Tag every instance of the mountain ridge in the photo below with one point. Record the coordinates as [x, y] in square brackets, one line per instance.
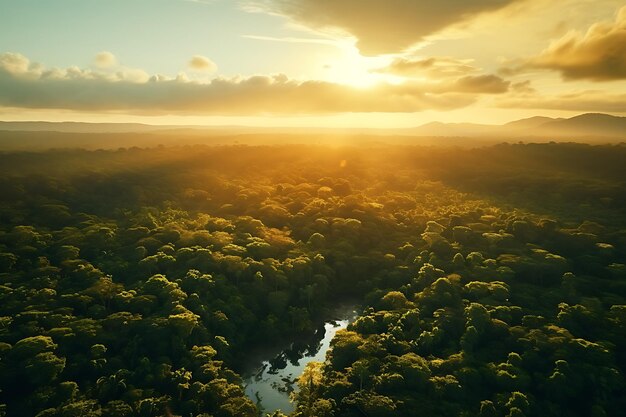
[586, 125]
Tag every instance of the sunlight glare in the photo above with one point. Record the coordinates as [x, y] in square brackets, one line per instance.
[356, 70]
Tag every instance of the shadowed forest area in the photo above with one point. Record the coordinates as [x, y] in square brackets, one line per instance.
[491, 281]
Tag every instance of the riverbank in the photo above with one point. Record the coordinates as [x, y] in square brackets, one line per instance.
[270, 381]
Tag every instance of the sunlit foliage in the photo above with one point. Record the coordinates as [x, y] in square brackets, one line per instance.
[492, 281]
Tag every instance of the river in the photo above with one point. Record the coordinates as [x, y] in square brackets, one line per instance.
[270, 383]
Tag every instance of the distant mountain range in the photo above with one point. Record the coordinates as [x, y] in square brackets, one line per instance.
[79, 127]
[590, 127]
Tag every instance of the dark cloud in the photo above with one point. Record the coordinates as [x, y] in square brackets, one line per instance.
[481, 84]
[598, 55]
[383, 26]
[523, 87]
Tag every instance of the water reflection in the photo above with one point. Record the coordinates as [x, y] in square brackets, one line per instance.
[271, 383]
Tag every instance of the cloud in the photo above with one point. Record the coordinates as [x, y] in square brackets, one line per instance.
[15, 63]
[19, 66]
[202, 64]
[381, 27]
[206, 2]
[432, 67]
[287, 39]
[30, 85]
[523, 87]
[582, 101]
[453, 74]
[105, 59]
[481, 84]
[598, 55]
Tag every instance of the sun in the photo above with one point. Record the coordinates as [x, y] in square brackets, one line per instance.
[351, 68]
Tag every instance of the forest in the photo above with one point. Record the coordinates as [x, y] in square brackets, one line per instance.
[489, 281]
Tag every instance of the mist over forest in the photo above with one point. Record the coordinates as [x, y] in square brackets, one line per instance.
[595, 128]
[488, 281]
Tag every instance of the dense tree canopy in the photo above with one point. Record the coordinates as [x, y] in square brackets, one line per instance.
[492, 281]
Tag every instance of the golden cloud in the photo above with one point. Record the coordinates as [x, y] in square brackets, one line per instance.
[481, 84]
[105, 59]
[202, 63]
[432, 67]
[598, 55]
[27, 85]
[452, 73]
[523, 87]
[382, 27]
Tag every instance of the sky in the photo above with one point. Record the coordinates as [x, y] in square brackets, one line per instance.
[334, 63]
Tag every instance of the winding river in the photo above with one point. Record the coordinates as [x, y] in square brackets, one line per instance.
[270, 383]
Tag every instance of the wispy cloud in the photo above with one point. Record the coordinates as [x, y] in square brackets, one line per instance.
[434, 67]
[207, 2]
[293, 40]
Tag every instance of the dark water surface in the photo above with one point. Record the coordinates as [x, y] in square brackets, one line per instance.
[270, 382]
